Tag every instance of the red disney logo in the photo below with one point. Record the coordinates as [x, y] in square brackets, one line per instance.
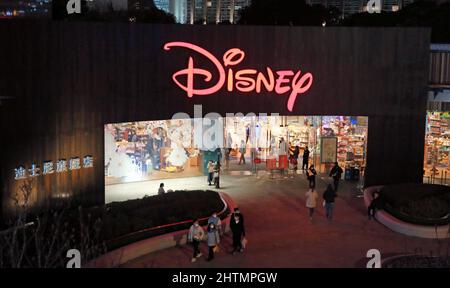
[244, 80]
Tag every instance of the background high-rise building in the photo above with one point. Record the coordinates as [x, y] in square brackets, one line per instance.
[136, 5]
[25, 8]
[105, 5]
[177, 8]
[162, 4]
[349, 7]
[214, 11]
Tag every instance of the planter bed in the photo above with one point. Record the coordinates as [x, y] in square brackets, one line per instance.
[96, 230]
[421, 204]
[416, 261]
[157, 215]
[401, 226]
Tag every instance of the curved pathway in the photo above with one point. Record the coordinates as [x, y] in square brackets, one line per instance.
[281, 235]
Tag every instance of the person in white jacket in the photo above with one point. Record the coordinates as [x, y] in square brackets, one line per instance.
[311, 201]
[196, 234]
[282, 150]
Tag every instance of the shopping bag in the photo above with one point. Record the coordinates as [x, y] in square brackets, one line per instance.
[216, 249]
[244, 242]
[323, 203]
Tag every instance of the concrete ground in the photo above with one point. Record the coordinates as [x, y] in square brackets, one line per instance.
[280, 234]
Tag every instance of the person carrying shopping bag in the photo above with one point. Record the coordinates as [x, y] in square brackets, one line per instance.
[213, 240]
[311, 201]
[195, 236]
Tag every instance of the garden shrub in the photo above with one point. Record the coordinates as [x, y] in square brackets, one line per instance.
[426, 204]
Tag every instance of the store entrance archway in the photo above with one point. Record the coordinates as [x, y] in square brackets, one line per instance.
[326, 139]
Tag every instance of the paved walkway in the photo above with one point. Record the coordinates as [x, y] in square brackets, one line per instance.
[280, 233]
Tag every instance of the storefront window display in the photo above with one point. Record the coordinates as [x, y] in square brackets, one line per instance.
[351, 133]
[437, 144]
[149, 150]
[265, 134]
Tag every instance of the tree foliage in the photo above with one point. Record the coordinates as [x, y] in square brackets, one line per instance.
[298, 13]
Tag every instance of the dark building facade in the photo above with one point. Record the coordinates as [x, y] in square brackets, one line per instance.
[68, 80]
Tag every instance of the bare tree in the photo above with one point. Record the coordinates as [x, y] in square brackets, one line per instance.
[41, 238]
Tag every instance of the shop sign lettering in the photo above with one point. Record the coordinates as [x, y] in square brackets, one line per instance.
[49, 167]
[246, 80]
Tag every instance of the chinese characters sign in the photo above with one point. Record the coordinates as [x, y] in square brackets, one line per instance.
[49, 167]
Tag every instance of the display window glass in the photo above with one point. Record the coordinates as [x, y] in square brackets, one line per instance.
[150, 150]
[351, 133]
[437, 145]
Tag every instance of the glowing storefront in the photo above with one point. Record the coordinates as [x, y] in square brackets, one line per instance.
[73, 79]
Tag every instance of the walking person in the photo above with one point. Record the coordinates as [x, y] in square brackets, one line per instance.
[305, 159]
[282, 147]
[213, 240]
[291, 151]
[216, 221]
[311, 201]
[242, 151]
[227, 158]
[375, 205]
[238, 230]
[328, 196]
[311, 175]
[296, 152]
[210, 168]
[217, 175]
[282, 154]
[294, 159]
[195, 236]
[247, 133]
[336, 173]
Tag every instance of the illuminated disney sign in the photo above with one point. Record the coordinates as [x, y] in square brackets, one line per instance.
[243, 80]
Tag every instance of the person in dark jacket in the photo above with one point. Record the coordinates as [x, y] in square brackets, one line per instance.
[375, 205]
[336, 173]
[311, 174]
[296, 152]
[305, 159]
[216, 175]
[238, 230]
[210, 168]
[328, 196]
[294, 158]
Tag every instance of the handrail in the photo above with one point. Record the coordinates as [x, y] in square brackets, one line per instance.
[6, 231]
[168, 225]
